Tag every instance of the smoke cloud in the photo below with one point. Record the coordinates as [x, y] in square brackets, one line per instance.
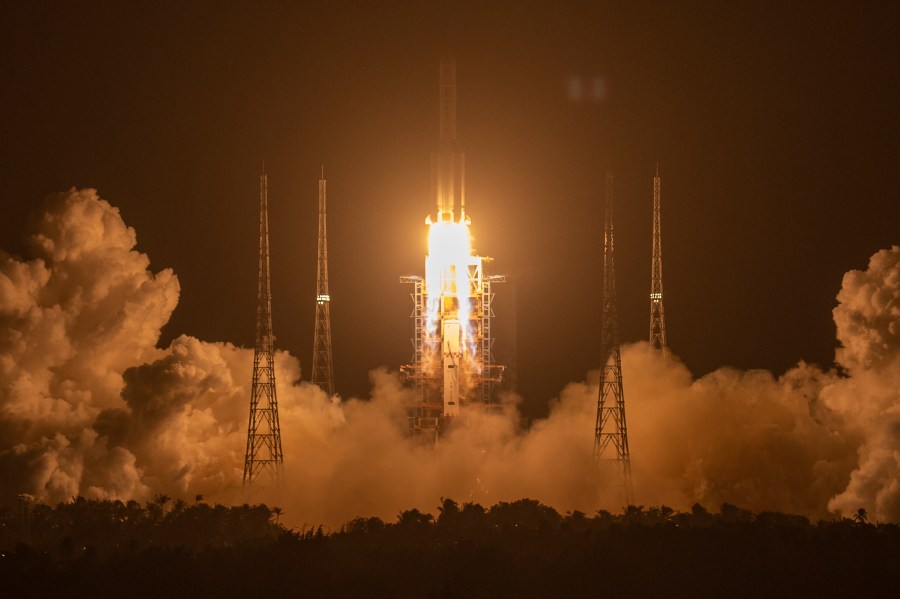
[73, 319]
[868, 327]
[89, 405]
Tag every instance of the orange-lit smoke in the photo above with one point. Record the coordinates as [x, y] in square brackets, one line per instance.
[90, 406]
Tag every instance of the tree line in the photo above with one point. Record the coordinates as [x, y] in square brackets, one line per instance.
[512, 549]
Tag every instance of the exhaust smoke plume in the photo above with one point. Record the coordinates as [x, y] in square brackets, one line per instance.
[90, 406]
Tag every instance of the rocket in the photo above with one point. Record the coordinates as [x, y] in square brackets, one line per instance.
[452, 366]
[448, 168]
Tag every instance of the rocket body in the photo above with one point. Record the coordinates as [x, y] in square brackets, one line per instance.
[452, 361]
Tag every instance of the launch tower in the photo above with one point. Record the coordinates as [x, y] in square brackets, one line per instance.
[452, 367]
[657, 314]
[610, 431]
[322, 366]
[263, 432]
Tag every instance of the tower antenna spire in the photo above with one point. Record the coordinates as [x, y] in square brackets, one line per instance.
[610, 431]
[322, 364]
[263, 431]
[657, 313]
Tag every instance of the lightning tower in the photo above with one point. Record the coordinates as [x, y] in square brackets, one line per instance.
[322, 365]
[657, 314]
[264, 453]
[452, 365]
[610, 431]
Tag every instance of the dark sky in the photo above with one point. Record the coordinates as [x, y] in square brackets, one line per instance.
[775, 125]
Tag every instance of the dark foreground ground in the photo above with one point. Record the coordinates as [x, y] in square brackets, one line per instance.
[520, 549]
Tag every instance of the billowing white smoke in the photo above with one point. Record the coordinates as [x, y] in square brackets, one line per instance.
[868, 327]
[90, 406]
[745, 438]
[810, 442]
[72, 320]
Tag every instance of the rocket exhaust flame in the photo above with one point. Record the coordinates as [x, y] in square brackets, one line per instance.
[447, 271]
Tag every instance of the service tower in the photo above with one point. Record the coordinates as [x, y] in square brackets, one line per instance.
[610, 431]
[657, 313]
[264, 454]
[452, 369]
[322, 363]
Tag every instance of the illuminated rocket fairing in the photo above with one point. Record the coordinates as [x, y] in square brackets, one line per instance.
[452, 364]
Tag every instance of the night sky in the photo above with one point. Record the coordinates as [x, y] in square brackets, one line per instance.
[776, 129]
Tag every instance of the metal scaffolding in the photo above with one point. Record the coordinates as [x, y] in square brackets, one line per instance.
[264, 452]
[322, 365]
[610, 430]
[491, 373]
[657, 313]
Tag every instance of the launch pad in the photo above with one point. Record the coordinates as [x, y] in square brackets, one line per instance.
[453, 372]
[452, 368]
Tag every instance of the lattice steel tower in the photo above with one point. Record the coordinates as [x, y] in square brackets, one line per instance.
[657, 313]
[322, 366]
[611, 432]
[263, 431]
